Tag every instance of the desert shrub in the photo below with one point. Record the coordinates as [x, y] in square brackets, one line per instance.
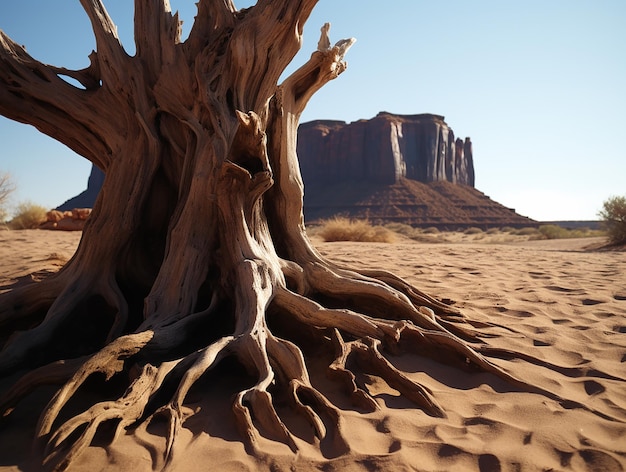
[7, 187]
[344, 229]
[430, 238]
[526, 232]
[508, 229]
[401, 228]
[554, 232]
[493, 231]
[28, 216]
[613, 216]
[473, 230]
[431, 230]
[558, 232]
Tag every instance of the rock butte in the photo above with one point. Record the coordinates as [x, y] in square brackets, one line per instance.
[384, 150]
[395, 168]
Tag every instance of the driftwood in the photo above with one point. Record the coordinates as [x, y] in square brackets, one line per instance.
[196, 248]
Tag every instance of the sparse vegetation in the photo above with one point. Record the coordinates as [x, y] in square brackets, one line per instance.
[403, 229]
[28, 215]
[525, 232]
[344, 229]
[558, 232]
[493, 235]
[7, 187]
[613, 216]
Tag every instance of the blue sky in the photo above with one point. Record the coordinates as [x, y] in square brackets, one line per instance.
[539, 86]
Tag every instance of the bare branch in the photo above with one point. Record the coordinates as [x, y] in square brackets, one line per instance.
[325, 65]
[214, 17]
[7, 187]
[107, 41]
[255, 71]
[33, 93]
[287, 105]
[157, 32]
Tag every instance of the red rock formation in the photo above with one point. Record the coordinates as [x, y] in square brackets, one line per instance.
[384, 150]
[441, 204]
[73, 220]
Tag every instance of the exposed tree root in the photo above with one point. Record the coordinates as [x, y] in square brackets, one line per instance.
[76, 289]
[58, 372]
[29, 304]
[278, 365]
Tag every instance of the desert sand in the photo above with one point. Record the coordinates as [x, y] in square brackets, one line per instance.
[553, 300]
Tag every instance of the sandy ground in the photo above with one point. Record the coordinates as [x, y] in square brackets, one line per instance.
[552, 299]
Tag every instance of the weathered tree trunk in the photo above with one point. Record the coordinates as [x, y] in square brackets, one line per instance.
[197, 237]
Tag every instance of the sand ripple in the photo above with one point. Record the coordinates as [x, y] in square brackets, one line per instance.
[561, 305]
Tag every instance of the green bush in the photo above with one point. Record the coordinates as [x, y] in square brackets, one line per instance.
[28, 216]
[613, 216]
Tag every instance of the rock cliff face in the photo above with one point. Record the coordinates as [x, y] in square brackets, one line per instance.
[384, 150]
[87, 198]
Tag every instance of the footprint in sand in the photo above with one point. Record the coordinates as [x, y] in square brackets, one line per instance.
[561, 321]
[489, 463]
[565, 457]
[557, 288]
[595, 460]
[593, 388]
[478, 420]
[591, 301]
[448, 450]
[603, 315]
[619, 297]
[520, 313]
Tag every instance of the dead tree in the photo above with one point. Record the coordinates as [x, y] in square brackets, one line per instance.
[196, 248]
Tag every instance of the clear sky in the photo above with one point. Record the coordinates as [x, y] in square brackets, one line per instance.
[539, 86]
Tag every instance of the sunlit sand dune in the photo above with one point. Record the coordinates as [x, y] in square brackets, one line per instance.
[552, 300]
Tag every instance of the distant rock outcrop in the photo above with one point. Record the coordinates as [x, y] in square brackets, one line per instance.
[66, 220]
[384, 150]
[395, 168]
[87, 198]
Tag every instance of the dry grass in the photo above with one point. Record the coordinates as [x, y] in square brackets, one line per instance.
[344, 229]
[28, 216]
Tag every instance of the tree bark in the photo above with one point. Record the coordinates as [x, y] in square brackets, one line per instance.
[197, 237]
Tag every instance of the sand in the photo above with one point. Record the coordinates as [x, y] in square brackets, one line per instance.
[555, 301]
